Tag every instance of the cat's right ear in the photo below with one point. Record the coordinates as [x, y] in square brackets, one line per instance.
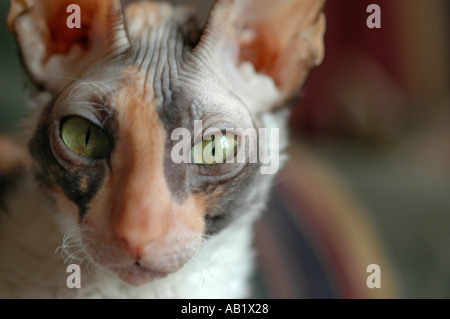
[281, 39]
[58, 39]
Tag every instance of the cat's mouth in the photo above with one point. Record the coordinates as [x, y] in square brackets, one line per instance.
[137, 274]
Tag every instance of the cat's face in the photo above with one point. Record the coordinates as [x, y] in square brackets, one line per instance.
[135, 205]
[104, 146]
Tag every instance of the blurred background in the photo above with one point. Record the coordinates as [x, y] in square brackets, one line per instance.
[368, 180]
[12, 79]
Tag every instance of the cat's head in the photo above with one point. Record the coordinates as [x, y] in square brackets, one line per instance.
[129, 86]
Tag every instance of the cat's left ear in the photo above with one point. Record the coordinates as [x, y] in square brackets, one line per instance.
[58, 39]
[283, 39]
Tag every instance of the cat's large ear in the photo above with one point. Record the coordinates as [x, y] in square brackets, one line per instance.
[282, 39]
[59, 38]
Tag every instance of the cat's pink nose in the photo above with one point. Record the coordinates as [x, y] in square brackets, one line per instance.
[161, 249]
[157, 237]
[141, 229]
[147, 213]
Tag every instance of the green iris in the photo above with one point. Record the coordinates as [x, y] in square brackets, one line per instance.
[215, 150]
[84, 138]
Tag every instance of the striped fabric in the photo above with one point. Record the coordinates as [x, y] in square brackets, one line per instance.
[316, 240]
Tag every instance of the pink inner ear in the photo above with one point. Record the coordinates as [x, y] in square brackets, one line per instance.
[283, 39]
[60, 37]
[262, 51]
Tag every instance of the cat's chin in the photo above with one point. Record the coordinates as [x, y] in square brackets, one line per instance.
[137, 275]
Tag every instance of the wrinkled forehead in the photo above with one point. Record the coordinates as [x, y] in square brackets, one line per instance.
[180, 88]
[159, 70]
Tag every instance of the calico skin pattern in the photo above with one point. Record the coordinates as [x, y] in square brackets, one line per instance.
[138, 224]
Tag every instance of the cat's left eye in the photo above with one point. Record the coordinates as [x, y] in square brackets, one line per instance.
[85, 138]
[215, 150]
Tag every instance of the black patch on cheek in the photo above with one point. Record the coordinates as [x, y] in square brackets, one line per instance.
[215, 224]
[227, 206]
[80, 184]
[223, 213]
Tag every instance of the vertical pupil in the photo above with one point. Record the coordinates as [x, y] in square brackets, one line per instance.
[213, 145]
[88, 136]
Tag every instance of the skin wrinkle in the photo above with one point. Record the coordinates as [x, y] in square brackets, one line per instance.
[144, 58]
[158, 59]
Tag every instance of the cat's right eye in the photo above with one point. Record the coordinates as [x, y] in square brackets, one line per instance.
[85, 138]
[214, 150]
